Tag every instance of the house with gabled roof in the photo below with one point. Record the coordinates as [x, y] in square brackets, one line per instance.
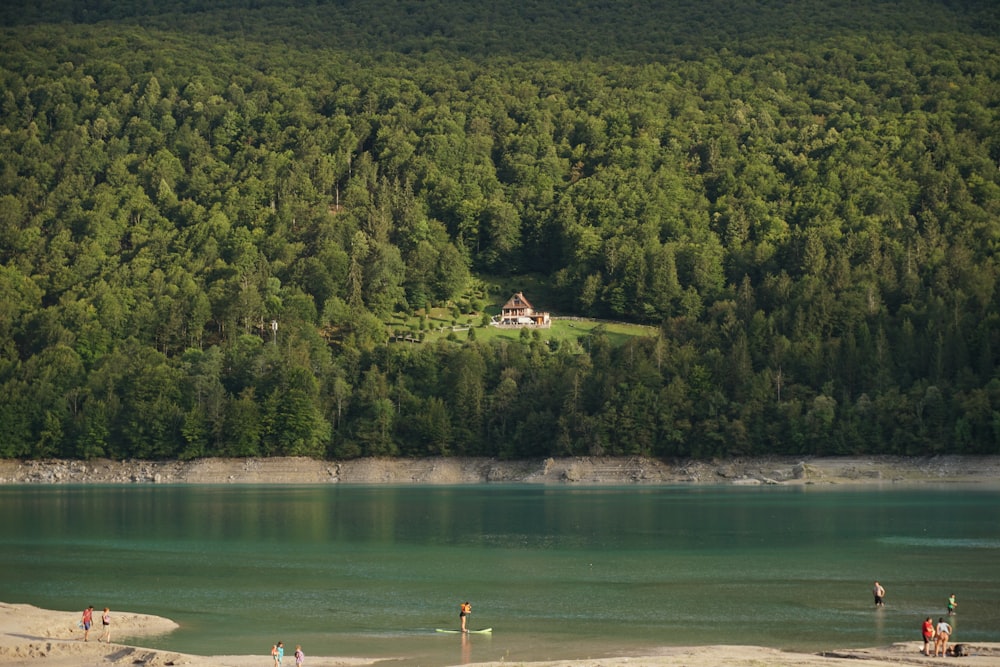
[518, 312]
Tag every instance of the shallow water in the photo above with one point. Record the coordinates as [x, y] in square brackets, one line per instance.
[557, 572]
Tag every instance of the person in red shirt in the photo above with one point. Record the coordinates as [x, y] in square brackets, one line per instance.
[928, 632]
[87, 621]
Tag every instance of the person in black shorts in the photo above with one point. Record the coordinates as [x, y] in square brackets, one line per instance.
[106, 623]
[464, 610]
[879, 593]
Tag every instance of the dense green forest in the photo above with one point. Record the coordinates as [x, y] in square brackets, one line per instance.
[802, 199]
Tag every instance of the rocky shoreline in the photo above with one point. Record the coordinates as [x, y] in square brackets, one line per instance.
[563, 471]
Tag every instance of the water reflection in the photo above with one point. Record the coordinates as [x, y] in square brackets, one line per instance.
[880, 638]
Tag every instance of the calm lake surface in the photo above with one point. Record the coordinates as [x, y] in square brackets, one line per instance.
[371, 571]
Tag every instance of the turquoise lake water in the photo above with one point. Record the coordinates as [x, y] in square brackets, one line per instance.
[557, 572]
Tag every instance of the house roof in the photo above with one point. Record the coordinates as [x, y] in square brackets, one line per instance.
[517, 301]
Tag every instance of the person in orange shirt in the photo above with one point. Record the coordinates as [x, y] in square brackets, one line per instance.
[464, 610]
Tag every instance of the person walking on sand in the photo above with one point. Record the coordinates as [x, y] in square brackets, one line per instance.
[274, 654]
[280, 655]
[106, 624]
[879, 592]
[464, 610]
[87, 621]
[928, 632]
[952, 603]
[941, 637]
[299, 656]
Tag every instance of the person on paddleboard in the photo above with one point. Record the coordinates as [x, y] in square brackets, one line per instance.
[464, 610]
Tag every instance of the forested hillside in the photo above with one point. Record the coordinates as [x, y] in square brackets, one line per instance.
[802, 197]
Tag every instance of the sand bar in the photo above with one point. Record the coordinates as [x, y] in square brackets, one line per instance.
[46, 638]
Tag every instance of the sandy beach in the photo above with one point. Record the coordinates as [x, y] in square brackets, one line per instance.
[33, 637]
[48, 638]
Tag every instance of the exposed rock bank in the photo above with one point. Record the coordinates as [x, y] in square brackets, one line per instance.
[578, 471]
